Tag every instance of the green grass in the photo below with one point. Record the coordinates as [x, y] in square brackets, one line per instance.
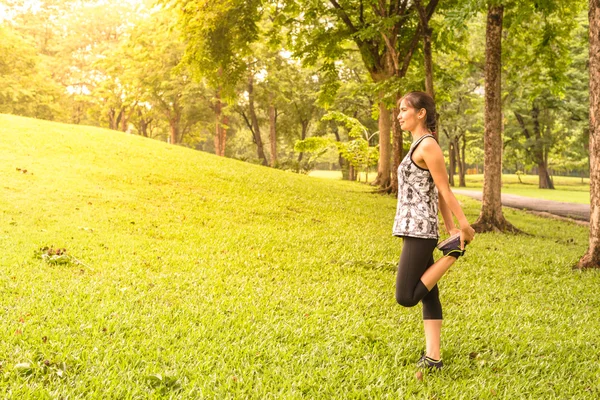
[206, 277]
[567, 189]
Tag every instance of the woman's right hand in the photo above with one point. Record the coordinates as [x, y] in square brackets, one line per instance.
[467, 233]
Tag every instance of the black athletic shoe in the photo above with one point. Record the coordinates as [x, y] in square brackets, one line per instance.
[429, 363]
[451, 246]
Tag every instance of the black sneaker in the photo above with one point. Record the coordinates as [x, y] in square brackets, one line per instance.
[429, 363]
[451, 246]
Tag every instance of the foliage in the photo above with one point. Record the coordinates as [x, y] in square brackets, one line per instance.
[356, 151]
[160, 70]
[541, 63]
[218, 37]
[25, 84]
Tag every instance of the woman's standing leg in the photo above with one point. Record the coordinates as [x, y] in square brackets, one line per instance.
[415, 261]
[432, 320]
[433, 335]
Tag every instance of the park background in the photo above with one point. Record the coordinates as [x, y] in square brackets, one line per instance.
[139, 268]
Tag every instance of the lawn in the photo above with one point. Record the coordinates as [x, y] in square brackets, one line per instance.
[567, 189]
[193, 276]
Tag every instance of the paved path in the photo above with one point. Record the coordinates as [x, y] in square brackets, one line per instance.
[569, 210]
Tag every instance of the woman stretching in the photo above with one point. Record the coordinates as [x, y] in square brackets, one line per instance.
[422, 178]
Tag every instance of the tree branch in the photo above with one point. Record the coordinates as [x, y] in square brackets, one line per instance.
[431, 8]
[409, 53]
[248, 124]
[522, 124]
[382, 8]
[344, 16]
[415, 40]
[361, 12]
[392, 52]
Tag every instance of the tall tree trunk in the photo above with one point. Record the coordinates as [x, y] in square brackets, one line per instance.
[174, 130]
[383, 169]
[491, 217]
[544, 181]
[273, 133]
[397, 145]
[456, 146]
[124, 122]
[591, 259]
[461, 163]
[118, 120]
[303, 134]
[452, 156]
[218, 114]
[144, 123]
[351, 173]
[111, 118]
[426, 32]
[223, 134]
[538, 148]
[544, 177]
[341, 160]
[257, 138]
[143, 128]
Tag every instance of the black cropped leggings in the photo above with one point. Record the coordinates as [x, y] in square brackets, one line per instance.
[416, 257]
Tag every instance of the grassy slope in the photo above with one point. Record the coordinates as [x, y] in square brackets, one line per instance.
[567, 189]
[236, 281]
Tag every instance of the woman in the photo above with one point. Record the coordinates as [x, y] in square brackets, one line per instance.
[422, 187]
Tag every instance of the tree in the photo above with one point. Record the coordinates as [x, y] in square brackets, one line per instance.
[357, 151]
[218, 37]
[355, 97]
[252, 120]
[386, 34]
[153, 57]
[537, 66]
[26, 86]
[491, 217]
[591, 259]
[460, 77]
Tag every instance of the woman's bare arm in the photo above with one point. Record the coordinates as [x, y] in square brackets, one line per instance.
[446, 214]
[432, 155]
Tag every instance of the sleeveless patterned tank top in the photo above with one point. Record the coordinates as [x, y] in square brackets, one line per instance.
[417, 211]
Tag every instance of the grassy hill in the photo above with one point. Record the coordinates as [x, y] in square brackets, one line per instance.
[193, 276]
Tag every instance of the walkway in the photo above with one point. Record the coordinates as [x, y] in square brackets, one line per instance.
[576, 211]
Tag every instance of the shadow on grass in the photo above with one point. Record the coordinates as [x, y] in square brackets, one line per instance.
[370, 265]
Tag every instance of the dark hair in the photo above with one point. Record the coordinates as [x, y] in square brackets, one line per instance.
[419, 100]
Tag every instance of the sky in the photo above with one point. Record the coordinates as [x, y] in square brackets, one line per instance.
[7, 11]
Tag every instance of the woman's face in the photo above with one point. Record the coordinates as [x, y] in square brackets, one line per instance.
[409, 118]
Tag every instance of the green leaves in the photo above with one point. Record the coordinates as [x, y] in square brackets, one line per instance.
[357, 150]
[26, 86]
[218, 37]
[353, 125]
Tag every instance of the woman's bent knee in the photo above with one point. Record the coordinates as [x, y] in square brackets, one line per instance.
[406, 301]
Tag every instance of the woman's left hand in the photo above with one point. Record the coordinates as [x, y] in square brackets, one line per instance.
[467, 233]
[453, 231]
